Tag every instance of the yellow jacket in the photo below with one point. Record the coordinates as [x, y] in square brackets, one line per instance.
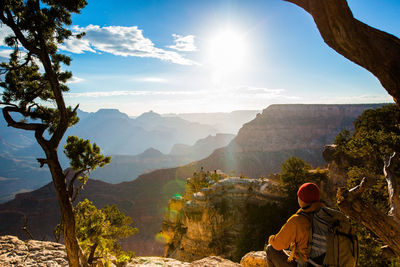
[295, 232]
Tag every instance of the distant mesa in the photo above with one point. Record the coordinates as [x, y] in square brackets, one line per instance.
[149, 115]
[104, 112]
[109, 111]
[151, 153]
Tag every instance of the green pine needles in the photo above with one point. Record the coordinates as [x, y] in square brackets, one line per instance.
[99, 230]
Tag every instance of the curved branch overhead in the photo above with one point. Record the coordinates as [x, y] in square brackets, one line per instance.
[372, 49]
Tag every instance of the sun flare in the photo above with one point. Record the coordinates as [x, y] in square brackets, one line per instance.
[226, 51]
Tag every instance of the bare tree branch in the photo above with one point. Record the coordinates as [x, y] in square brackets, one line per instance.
[372, 49]
[301, 3]
[38, 128]
[75, 195]
[42, 161]
[76, 108]
[71, 183]
[393, 185]
[384, 226]
[25, 228]
[21, 125]
[8, 104]
[72, 191]
[366, 182]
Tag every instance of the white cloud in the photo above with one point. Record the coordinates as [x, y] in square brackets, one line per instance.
[242, 92]
[77, 46]
[75, 79]
[183, 43]
[5, 54]
[120, 41]
[213, 99]
[259, 91]
[262, 93]
[151, 80]
[359, 99]
[128, 93]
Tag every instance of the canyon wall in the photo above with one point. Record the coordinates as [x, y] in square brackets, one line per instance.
[230, 218]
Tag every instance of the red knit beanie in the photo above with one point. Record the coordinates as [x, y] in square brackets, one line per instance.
[309, 193]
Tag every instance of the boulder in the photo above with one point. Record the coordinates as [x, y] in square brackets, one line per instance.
[254, 259]
[214, 261]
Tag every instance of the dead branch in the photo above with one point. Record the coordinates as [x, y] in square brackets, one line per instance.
[393, 185]
[72, 176]
[77, 106]
[75, 195]
[25, 228]
[42, 161]
[385, 227]
[21, 125]
[39, 128]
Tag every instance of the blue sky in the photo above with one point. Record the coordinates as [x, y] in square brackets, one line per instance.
[180, 56]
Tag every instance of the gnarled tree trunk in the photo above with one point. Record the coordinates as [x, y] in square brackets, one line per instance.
[60, 184]
[385, 226]
[68, 217]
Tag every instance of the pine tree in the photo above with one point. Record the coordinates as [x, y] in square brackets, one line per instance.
[34, 83]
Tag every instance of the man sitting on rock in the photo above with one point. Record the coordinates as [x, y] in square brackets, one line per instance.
[295, 233]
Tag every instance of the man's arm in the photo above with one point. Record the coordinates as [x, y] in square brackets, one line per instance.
[285, 237]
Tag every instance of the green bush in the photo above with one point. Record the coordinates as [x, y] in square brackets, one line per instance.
[99, 230]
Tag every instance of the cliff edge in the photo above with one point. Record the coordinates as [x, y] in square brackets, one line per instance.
[229, 218]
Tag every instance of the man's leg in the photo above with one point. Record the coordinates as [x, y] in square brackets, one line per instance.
[278, 258]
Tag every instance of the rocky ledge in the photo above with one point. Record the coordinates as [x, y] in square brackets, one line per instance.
[229, 218]
[17, 253]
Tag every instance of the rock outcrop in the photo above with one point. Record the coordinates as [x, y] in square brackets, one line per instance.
[229, 218]
[282, 131]
[14, 252]
[17, 253]
[212, 261]
[254, 259]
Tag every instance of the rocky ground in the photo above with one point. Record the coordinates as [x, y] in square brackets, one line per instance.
[17, 253]
[14, 252]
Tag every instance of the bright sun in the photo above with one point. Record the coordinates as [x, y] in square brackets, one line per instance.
[226, 51]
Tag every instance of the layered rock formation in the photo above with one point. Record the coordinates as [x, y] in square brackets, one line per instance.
[281, 131]
[229, 218]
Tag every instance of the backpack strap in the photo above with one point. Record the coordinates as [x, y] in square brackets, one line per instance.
[309, 217]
